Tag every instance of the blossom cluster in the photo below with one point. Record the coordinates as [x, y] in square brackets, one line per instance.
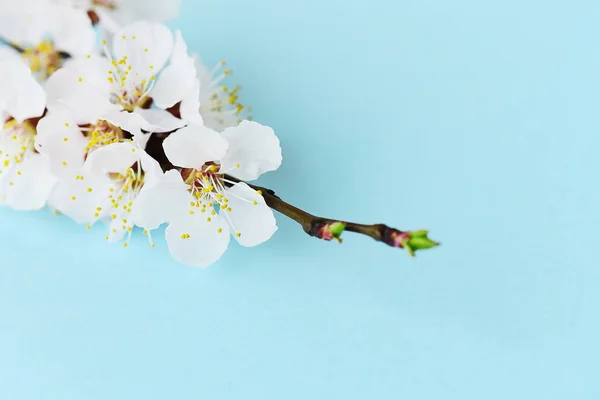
[88, 86]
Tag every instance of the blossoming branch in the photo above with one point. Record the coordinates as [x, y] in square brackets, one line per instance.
[132, 129]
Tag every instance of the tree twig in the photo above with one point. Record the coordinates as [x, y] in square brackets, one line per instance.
[329, 229]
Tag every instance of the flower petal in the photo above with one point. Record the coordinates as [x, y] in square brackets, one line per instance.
[60, 139]
[173, 84]
[132, 123]
[108, 24]
[23, 21]
[159, 202]
[153, 172]
[147, 47]
[196, 242]
[74, 198]
[190, 105]
[193, 146]
[119, 226]
[180, 51]
[21, 96]
[253, 150]
[71, 30]
[80, 91]
[115, 157]
[92, 69]
[176, 80]
[8, 53]
[162, 120]
[250, 215]
[28, 185]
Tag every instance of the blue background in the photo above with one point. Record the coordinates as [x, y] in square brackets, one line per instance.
[475, 119]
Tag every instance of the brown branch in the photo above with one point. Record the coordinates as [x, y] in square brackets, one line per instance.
[328, 229]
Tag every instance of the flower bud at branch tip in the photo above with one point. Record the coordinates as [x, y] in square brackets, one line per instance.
[410, 241]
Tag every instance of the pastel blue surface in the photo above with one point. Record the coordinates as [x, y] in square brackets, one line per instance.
[477, 120]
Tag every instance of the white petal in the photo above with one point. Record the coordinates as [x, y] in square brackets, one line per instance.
[190, 105]
[132, 42]
[193, 146]
[60, 139]
[253, 150]
[108, 24]
[205, 244]
[21, 95]
[162, 120]
[176, 80]
[132, 123]
[93, 68]
[218, 120]
[80, 91]
[73, 198]
[28, 185]
[119, 226]
[153, 173]
[115, 157]
[254, 221]
[180, 50]
[23, 22]
[71, 30]
[8, 53]
[160, 202]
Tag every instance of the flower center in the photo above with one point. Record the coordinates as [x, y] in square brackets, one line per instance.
[207, 188]
[43, 59]
[129, 184]
[128, 90]
[125, 189]
[223, 101]
[102, 134]
[15, 141]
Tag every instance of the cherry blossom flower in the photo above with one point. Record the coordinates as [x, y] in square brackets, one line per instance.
[203, 206]
[69, 147]
[67, 142]
[25, 180]
[111, 180]
[219, 104]
[128, 81]
[43, 31]
[182, 67]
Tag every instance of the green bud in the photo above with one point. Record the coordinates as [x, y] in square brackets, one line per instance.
[336, 229]
[418, 240]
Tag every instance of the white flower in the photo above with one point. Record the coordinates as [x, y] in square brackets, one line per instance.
[67, 141]
[44, 30]
[25, 180]
[69, 148]
[200, 204]
[141, 51]
[219, 105]
[111, 180]
[177, 84]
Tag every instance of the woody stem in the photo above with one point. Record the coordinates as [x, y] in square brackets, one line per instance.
[312, 224]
